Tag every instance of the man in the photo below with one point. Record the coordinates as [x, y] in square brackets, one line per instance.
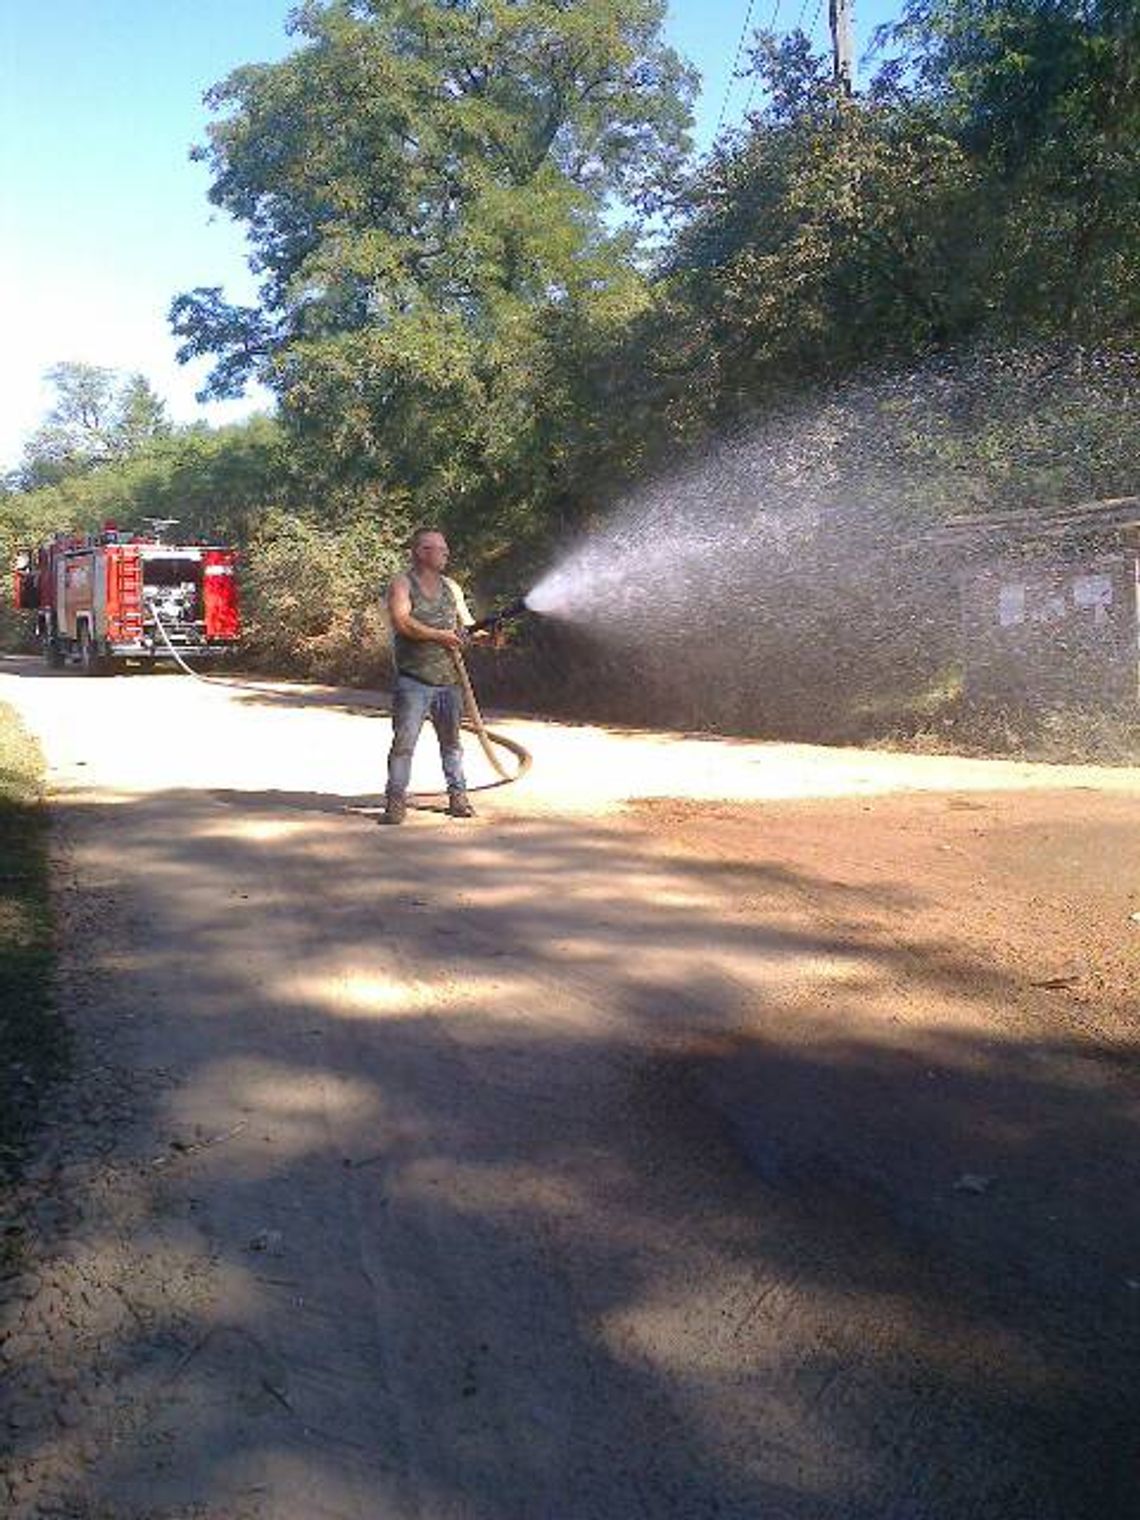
[427, 612]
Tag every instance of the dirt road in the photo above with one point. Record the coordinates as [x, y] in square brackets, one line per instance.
[706, 1129]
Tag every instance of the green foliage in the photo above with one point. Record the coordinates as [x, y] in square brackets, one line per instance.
[25, 520]
[831, 232]
[1014, 429]
[445, 306]
[31, 1037]
[1045, 97]
[984, 187]
[314, 592]
[97, 418]
[212, 482]
[425, 187]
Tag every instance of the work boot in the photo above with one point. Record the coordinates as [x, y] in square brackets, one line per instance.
[395, 810]
[459, 805]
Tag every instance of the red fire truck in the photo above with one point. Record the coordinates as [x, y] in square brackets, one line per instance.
[107, 598]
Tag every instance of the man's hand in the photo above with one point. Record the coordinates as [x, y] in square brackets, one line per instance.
[448, 638]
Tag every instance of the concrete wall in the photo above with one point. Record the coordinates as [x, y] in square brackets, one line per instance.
[1053, 625]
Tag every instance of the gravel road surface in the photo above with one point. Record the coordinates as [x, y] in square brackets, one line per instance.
[708, 1128]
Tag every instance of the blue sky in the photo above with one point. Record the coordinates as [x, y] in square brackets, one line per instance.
[103, 218]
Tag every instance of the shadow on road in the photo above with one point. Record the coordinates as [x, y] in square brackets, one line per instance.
[537, 1170]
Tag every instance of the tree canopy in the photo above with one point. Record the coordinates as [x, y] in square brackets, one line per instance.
[1044, 95]
[97, 417]
[427, 190]
[449, 299]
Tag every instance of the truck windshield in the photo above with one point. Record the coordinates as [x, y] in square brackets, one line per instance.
[171, 572]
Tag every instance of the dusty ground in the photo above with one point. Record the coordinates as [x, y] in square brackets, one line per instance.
[707, 1129]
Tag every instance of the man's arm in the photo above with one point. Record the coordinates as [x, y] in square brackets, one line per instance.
[400, 612]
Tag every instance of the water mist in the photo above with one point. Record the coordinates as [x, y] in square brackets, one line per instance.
[790, 580]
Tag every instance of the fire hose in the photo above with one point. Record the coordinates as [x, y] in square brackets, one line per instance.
[489, 739]
[178, 660]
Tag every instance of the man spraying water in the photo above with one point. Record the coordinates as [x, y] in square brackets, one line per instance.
[430, 621]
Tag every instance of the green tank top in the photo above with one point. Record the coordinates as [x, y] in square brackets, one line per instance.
[430, 663]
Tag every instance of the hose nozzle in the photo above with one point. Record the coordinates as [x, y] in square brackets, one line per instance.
[494, 621]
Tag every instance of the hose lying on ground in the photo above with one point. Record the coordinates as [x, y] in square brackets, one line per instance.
[160, 625]
[489, 739]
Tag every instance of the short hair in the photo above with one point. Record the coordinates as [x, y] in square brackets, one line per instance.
[420, 534]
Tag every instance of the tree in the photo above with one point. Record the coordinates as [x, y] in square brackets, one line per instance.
[97, 418]
[827, 232]
[1045, 95]
[140, 417]
[426, 185]
[983, 187]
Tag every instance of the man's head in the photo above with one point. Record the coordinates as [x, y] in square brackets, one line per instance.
[429, 549]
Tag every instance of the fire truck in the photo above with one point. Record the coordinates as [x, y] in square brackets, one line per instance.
[104, 599]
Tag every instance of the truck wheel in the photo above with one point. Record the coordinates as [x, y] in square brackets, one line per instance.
[52, 653]
[90, 660]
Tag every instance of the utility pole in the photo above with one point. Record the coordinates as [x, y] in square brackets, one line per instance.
[841, 15]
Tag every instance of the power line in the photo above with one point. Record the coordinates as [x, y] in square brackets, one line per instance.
[732, 70]
[810, 34]
[756, 76]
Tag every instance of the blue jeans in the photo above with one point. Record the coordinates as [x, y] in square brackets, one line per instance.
[412, 702]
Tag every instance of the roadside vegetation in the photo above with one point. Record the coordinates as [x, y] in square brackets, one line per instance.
[500, 293]
[32, 1041]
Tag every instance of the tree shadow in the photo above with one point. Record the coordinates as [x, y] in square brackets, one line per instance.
[515, 1171]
